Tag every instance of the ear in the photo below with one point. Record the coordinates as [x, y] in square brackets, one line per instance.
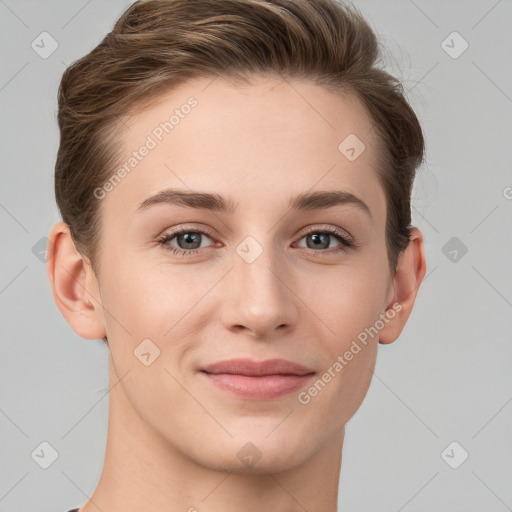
[74, 285]
[410, 271]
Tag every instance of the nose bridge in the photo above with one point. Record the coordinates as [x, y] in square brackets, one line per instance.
[261, 301]
[256, 268]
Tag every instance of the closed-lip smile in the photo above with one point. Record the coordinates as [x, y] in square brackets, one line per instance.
[258, 380]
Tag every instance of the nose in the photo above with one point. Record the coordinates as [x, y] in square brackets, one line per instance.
[261, 297]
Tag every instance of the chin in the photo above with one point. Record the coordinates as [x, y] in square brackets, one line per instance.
[257, 451]
[270, 462]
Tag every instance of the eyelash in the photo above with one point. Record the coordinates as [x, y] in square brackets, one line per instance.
[346, 242]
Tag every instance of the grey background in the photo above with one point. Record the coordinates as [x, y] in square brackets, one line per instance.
[448, 378]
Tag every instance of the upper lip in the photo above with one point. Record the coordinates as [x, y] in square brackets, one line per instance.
[251, 368]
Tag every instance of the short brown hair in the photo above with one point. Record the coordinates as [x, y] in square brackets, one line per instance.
[157, 44]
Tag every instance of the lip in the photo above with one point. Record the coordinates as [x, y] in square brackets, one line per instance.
[258, 380]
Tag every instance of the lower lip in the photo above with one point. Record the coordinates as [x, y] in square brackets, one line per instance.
[265, 387]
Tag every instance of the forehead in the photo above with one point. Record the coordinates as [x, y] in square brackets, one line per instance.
[270, 140]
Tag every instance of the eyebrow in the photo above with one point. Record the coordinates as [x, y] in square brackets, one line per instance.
[202, 200]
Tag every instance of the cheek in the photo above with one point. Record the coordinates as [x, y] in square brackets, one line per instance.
[349, 312]
[153, 313]
[347, 302]
[146, 338]
[145, 299]
[344, 381]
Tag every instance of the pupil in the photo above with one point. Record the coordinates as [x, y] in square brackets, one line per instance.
[190, 238]
[317, 240]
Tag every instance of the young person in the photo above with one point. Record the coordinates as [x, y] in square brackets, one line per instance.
[234, 179]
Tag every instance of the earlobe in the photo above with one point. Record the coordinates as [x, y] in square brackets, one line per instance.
[74, 285]
[409, 274]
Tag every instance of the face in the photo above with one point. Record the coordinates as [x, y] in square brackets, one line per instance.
[253, 269]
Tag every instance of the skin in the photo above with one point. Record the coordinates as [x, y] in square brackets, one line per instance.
[173, 438]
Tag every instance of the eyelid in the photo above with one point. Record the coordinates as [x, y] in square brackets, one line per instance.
[185, 228]
[330, 229]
